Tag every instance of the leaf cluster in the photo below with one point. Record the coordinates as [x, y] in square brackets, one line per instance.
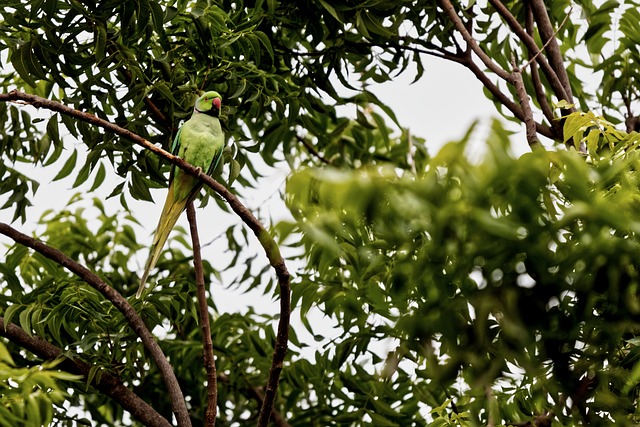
[511, 275]
[31, 395]
[46, 301]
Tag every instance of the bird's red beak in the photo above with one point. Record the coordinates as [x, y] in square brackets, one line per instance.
[217, 103]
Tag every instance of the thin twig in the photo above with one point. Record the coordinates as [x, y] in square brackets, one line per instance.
[457, 22]
[547, 32]
[551, 39]
[312, 150]
[108, 384]
[178, 404]
[266, 240]
[532, 47]
[436, 52]
[205, 326]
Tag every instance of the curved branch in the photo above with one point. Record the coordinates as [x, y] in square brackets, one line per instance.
[436, 52]
[268, 243]
[178, 404]
[205, 325]
[108, 384]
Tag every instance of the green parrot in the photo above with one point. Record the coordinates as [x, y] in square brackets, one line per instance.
[199, 141]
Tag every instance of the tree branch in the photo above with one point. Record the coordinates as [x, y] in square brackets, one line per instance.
[205, 326]
[529, 122]
[504, 100]
[178, 404]
[541, 94]
[268, 243]
[457, 22]
[549, 37]
[530, 44]
[257, 394]
[108, 384]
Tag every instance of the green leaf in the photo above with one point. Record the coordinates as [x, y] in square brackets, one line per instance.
[266, 43]
[166, 92]
[139, 187]
[25, 320]
[100, 176]
[361, 26]
[92, 374]
[330, 9]
[5, 356]
[380, 420]
[242, 87]
[236, 168]
[116, 190]
[373, 24]
[68, 167]
[157, 16]
[32, 414]
[592, 141]
[26, 64]
[100, 37]
[82, 175]
[575, 125]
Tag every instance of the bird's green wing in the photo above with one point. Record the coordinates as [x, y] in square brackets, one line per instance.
[175, 149]
[214, 162]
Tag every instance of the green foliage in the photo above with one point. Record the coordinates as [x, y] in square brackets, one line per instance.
[68, 313]
[162, 55]
[30, 396]
[439, 290]
[516, 277]
[598, 135]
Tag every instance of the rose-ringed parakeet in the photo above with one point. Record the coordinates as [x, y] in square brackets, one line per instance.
[199, 141]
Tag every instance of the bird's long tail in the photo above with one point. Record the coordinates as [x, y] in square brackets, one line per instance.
[170, 214]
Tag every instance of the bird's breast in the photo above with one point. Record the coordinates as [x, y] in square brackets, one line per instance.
[200, 141]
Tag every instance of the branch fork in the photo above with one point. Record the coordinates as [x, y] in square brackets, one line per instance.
[265, 239]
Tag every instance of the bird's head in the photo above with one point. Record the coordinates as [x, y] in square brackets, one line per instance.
[209, 103]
